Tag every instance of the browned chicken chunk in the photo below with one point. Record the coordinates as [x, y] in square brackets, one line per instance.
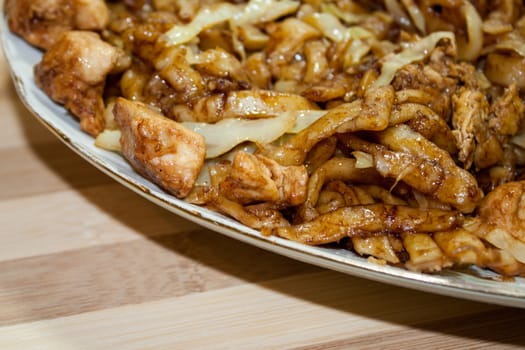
[255, 178]
[73, 72]
[502, 213]
[159, 148]
[41, 22]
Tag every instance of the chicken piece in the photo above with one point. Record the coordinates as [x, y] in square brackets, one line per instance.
[73, 72]
[255, 178]
[477, 144]
[159, 148]
[41, 22]
[439, 78]
[91, 14]
[260, 216]
[507, 113]
[412, 77]
[368, 220]
[503, 216]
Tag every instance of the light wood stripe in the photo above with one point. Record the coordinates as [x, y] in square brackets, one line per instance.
[47, 167]
[284, 313]
[19, 127]
[495, 329]
[69, 220]
[131, 272]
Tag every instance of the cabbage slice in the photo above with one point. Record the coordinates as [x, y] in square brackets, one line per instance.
[256, 11]
[416, 52]
[228, 133]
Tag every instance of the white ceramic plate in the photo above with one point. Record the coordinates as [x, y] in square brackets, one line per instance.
[473, 284]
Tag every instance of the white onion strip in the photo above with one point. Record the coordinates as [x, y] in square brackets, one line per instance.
[228, 133]
[416, 52]
[471, 49]
[256, 11]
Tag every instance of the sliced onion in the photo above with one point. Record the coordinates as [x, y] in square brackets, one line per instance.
[256, 11]
[363, 160]
[109, 140]
[304, 119]
[207, 17]
[507, 242]
[393, 7]
[519, 139]
[415, 14]
[228, 133]
[262, 11]
[333, 29]
[508, 44]
[345, 16]
[416, 52]
[471, 49]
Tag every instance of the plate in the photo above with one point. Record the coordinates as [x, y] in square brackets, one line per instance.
[473, 284]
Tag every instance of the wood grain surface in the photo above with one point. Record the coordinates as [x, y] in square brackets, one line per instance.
[87, 264]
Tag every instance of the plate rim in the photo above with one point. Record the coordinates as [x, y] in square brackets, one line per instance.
[322, 257]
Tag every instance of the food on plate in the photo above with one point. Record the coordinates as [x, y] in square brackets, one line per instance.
[394, 129]
[73, 72]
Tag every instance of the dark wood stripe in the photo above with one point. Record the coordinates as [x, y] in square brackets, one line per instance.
[501, 328]
[102, 277]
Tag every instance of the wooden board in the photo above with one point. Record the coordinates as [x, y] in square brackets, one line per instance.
[87, 264]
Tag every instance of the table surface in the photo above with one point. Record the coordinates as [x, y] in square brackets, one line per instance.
[87, 264]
